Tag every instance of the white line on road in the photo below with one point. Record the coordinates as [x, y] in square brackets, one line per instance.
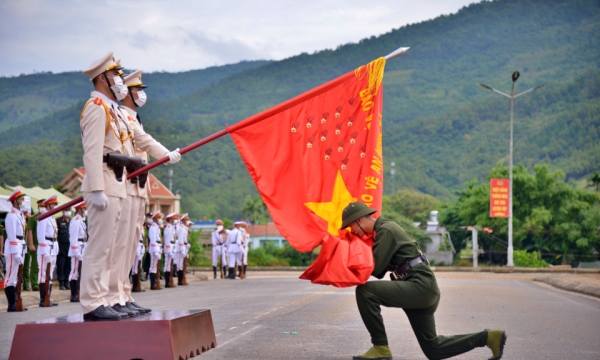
[235, 327]
[236, 337]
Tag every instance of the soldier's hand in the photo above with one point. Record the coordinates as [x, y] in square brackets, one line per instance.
[174, 156]
[31, 248]
[99, 200]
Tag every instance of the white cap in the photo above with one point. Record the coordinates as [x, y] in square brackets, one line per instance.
[103, 64]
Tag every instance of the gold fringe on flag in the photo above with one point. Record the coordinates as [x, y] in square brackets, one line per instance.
[374, 70]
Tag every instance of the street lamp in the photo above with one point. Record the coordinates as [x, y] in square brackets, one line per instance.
[393, 173]
[512, 97]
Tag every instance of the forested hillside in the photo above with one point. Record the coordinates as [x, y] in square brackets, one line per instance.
[440, 127]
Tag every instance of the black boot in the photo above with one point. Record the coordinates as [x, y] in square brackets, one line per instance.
[67, 286]
[152, 281]
[232, 273]
[73, 288]
[11, 297]
[42, 294]
[179, 277]
[145, 278]
[134, 282]
[167, 279]
[61, 285]
[225, 271]
[52, 303]
[215, 272]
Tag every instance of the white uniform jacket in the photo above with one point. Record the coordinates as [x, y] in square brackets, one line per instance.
[47, 232]
[77, 236]
[234, 241]
[15, 225]
[155, 244]
[169, 237]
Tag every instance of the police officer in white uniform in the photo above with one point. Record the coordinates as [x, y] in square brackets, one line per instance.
[181, 246]
[47, 232]
[170, 238]
[77, 240]
[219, 237]
[155, 250]
[139, 255]
[234, 250]
[14, 247]
[245, 248]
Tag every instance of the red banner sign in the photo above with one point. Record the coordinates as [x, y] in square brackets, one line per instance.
[499, 201]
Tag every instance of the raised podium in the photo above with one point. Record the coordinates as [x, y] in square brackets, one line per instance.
[179, 334]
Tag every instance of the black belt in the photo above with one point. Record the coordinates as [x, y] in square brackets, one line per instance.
[399, 272]
[50, 239]
[19, 237]
[158, 242]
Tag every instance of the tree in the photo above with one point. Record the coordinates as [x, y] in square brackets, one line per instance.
[594, 181]
[252, 208]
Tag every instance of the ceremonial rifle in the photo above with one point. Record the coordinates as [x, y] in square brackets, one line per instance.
[47, 286]
[79, 280]
[171, 284]
[138, 283]
[242, 272]
[158, 274]
[246, 122]
[184, 270]
[18, 288]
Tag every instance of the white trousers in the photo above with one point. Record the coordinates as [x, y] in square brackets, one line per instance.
[154, 257]
[103, 226]
[169, 257]
[74, 274]
[216, 252]
[235, 258]
[179, 259]
[43, 263]
[12, 269]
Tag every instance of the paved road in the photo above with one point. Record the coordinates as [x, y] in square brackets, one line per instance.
[251, 316]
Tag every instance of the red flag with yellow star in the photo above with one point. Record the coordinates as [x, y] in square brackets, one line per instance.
[312, 155]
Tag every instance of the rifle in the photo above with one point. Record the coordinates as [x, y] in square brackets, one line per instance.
[18, 288]
[171, 284]
[158, 274]
[184, 281]
[242, 273]
[221, 263]
[138, 283]
[79, 280]
[47, 286]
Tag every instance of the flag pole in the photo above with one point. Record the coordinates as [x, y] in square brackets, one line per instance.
[241, 124]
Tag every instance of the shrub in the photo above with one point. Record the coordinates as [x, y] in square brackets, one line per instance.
[522, 258]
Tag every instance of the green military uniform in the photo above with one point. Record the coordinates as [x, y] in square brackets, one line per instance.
[417, 294]
[30, 266]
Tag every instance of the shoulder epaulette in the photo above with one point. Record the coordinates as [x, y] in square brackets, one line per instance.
[98, 101]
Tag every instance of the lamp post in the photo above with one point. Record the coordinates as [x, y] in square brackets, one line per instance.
[512, 97]
[393, 174]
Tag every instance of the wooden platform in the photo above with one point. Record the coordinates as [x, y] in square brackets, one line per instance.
[159, 335]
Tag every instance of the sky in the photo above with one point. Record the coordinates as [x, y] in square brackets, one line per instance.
[179, 35]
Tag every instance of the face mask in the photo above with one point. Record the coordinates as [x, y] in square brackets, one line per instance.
[160, 222]
[67, 213]
[141, 100]
[23, 207]
[149, 221]
[175, 222]
[42, 209]
[85, 213]
[119, 88]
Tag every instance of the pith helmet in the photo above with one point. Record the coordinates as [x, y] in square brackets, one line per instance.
[355, 211]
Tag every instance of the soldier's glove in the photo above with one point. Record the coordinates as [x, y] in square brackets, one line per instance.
[99, 200]
[174, 156]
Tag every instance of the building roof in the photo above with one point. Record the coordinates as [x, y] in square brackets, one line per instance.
[263, 230]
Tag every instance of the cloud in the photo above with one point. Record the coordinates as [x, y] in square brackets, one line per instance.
[225, 50]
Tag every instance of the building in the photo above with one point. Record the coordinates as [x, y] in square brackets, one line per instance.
[263, 234]
[161, 198]
[440, 250]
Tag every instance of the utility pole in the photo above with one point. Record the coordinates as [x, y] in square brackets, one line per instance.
[475, 246]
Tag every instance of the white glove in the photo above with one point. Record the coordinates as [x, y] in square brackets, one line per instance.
[19, 259]
[174, 156]
[99, 200]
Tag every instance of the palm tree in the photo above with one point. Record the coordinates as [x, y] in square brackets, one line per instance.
[594, 181]
[252, 209]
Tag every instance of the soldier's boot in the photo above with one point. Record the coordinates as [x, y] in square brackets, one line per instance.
[42, 294]
[215, 272]
[167, 279]
[50, 292]
[152, 281]
[60, 285]
[134, 282]
[73, 288]
[496, 339]
[225, 271]
[232, 273]
[179, 277]
[67, 286]
[379, 352]
[11, 297]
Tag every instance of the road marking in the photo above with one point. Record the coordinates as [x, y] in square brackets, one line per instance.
[245, 322]
[235, 327]
[218, 334]
[235, 338]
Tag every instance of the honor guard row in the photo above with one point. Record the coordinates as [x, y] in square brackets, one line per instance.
[114, 144]
[231, 248]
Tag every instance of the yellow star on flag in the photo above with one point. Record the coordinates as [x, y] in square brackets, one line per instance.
[332, 211]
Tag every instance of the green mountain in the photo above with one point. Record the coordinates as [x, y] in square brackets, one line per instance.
[440, 128]
[27, 98]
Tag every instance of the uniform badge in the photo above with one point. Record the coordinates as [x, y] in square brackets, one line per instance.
[98, 101]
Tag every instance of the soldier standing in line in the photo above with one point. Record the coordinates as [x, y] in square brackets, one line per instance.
[146, 263]
[181, 246]
[155, 246]
[169, 238]
[47, 231]
[137, 191]
[63, 261]
[413, 288]
[217, 246]
[77, 239]
[139, 255]
[245, 247]
[30, 267]
[234, 241]
[14, 247]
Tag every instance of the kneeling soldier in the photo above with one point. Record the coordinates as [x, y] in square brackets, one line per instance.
[414, 289]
